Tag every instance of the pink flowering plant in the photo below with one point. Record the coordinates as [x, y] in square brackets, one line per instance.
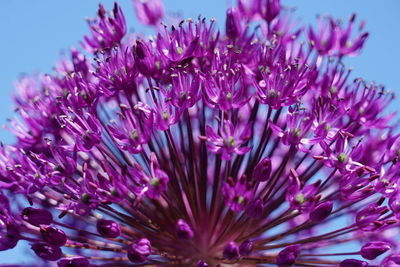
[243, 146]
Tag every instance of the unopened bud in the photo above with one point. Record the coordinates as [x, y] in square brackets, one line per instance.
[139, 251]
[353, 263]
[53, 236]
[233, 27]
[108, 228]
[321, 212]
[372, 250]
[262, 170]
[37, 216]
[231, 251]
[144, 58]
[47, 252]
[270, 9]
[183, 230]
[246, 247]
[288, 255]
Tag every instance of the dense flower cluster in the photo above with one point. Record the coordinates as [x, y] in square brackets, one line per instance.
[248, 146]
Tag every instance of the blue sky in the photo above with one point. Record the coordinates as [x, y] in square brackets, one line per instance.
[35, 33]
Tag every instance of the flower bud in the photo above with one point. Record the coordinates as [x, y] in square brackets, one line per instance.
[353, 263]
[231, 251]
[144, 58]
[201, 263]
[183, 230]
[320, 212]
[262, 171]
[108, 228]
[6, 242]
[288, 255]
[372, 250]
[149, 12]
[233, 28]
[47, 252]
[37, 216]
[139, 250]
[9, 236]
[53, 236]
[77, 261]
[255, 209]
[391, 260]
[246, 247]
[270, 9]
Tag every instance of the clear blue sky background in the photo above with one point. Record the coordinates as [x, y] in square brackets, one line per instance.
[34, 34]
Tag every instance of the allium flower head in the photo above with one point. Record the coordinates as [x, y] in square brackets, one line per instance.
[244, 146]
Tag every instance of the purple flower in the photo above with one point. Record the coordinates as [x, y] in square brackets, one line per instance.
[179, 46]
[325, 39]
[298, 126]
[347, 47]
[86, 129]
[237, 193]
[282, 80]
[149, 12]
[158, 181]
[269, 9]
[9, 236]
[116, 71]
[106, 31]
[134, 128]
[233, 27]
[223, 92]
[262, 170]
[185, 91]
[229, 141]
[299, 197]
[334, 40]
[80, 62]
